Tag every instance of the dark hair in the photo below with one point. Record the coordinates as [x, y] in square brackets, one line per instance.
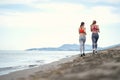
[94, 22]
[82, 23]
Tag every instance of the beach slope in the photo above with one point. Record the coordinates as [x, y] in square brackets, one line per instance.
[105, 65]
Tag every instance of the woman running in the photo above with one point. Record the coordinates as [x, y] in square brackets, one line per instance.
[82, 38]
[95, 36]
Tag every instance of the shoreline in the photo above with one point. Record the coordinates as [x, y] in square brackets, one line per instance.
[103, 65]
[20, 64]
[30, 71]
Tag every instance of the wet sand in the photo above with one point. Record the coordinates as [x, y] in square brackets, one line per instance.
[105, 65]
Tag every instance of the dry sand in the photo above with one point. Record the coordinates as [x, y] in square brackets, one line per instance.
[105, 65]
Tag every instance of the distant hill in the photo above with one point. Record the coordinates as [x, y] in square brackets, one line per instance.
[64, 47]
[71, 47]
[112, 46]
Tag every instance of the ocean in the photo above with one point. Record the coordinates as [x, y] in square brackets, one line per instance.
[13, 60]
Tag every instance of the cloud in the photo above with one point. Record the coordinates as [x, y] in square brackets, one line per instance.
[56, 24]
[85, 2]
[62, 14]
[104, 1]
[21, 1]
[105, 14]
[61, 7]
[53, 14]
[94, 1]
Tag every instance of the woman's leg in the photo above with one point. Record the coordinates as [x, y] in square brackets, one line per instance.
[84, 40]
[93, 41]
[96, 40]
[81, 46]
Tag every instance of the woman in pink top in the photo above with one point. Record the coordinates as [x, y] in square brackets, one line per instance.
[95, 36]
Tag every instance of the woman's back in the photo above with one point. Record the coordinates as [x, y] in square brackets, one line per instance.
[94, 28]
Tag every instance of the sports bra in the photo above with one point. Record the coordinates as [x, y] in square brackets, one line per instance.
[94, 28]
[81, 30]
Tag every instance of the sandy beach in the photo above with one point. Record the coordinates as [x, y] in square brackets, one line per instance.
[105, 65]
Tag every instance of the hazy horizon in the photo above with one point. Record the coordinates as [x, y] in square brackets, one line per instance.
[50, 23]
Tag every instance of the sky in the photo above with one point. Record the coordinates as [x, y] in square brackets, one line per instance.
[28, 24]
